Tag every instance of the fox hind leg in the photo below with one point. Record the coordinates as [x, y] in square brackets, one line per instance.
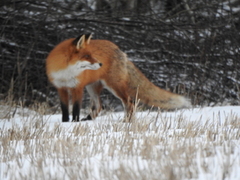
[121, 92]
[129, 109]
[94, 90]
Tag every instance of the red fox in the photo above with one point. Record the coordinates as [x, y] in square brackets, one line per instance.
[96, 64]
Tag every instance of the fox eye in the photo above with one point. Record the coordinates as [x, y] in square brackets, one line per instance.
[86, 56]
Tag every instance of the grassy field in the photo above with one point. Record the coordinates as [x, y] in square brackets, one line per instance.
[200, 143]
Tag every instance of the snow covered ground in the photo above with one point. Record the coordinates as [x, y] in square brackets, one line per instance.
[196, 144]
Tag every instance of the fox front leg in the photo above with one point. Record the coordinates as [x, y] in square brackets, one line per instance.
[76, 99]
[63, 95]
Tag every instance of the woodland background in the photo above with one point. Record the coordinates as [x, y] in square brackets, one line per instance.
[187, 46]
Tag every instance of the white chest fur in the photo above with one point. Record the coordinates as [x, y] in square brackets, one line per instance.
[68, 77]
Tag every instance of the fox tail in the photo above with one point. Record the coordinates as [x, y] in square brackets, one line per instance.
[152, 95]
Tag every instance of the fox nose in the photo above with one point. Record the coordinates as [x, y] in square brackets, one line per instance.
[100, 64]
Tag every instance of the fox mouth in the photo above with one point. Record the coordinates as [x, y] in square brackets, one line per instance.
[91, 66]
[97, 66]
[84, 65]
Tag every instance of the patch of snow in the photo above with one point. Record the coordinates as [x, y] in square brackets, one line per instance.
[103, 151]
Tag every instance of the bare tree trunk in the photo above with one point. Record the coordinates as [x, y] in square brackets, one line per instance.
[187, 7]
[103, 5]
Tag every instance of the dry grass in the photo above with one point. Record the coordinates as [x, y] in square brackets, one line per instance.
[155, 146]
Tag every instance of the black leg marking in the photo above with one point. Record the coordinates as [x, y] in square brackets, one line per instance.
[65, 113]
[76, 112]
[87, 118]
[93, 108]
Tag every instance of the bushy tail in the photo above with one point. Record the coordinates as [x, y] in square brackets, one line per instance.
[152, 95]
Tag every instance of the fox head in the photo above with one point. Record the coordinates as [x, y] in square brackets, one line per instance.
[81, 56]
[72, 61]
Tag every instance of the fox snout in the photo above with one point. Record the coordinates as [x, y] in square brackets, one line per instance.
[94, 61]
[97, 62]
[99, 65]
[95, 66]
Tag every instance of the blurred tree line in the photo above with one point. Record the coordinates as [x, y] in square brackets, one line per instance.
[187, 46]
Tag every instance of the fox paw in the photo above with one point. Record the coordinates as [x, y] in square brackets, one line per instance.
[75, 120]
[87, 118]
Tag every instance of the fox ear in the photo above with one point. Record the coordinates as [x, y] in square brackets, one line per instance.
[79, 42]
[88, 38]
[82, 40]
